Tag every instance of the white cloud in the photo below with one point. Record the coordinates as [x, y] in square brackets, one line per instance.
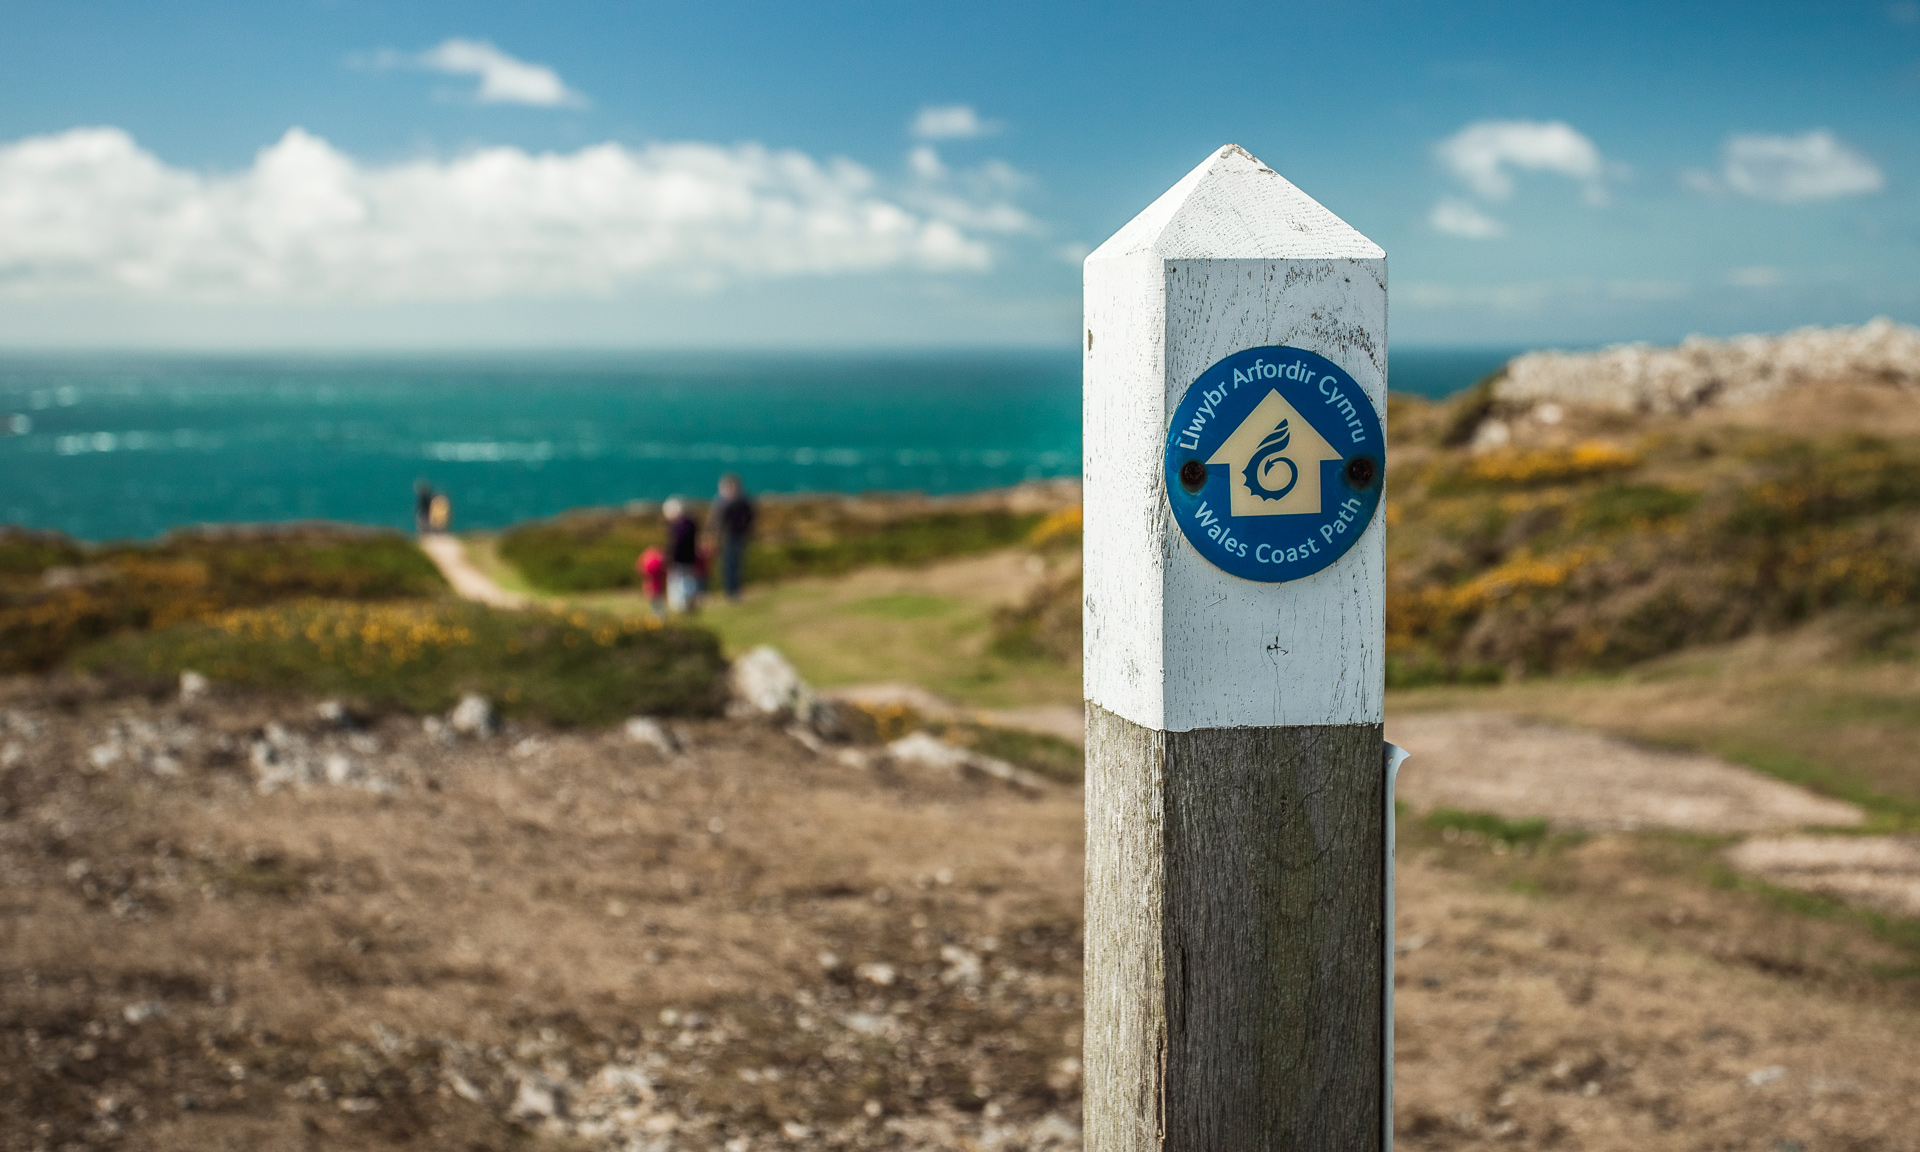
[89, 210]
[504, 79]
[1459, 218]
[951, 122]
[1485, 155]
[980, 199]
[1790, 169]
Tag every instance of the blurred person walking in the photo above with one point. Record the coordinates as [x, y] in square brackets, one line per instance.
[652, 567]
[683, 557]
[731, 519]
[422, 506]
[439, 513]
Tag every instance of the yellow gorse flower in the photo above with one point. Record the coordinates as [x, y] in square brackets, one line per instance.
[358, 635]
[1548, 465]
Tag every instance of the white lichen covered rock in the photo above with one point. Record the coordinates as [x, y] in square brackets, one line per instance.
[646, 730]
[192, 686]
[473, 716]
[1700, 372]
[765, 684]
[929, 751]
[282, 758]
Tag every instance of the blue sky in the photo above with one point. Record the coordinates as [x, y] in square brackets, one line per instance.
[352, 175]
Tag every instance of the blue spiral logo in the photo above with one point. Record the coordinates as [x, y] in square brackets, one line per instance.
[1266, 459]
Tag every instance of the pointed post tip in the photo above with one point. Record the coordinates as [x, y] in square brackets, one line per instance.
[1234, 205]
[1231, 151]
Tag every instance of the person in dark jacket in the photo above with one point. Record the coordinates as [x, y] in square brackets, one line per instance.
[731, 519]
[422, 506]
[683, 557]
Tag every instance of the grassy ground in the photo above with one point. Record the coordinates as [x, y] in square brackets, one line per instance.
[971, 624]
[931, 626]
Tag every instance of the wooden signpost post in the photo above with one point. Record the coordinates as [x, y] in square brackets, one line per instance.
[1237, 945]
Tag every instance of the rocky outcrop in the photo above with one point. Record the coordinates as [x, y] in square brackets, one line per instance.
[1700, 372]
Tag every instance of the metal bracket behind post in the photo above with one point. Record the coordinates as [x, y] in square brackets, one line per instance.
[1395, 756]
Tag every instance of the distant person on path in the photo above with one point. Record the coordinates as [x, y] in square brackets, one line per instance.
[652, 567]
[731, 519]
[683, 557]
[440, 513]
[422, 506]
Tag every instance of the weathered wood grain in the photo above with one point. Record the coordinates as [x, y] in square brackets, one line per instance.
[1235, 937]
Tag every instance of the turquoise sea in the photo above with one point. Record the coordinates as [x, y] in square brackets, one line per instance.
[105, 447]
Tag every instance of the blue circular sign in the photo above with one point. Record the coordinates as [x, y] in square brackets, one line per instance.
[1274, 463]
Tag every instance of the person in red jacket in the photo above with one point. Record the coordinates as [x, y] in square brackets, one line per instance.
[652, 567]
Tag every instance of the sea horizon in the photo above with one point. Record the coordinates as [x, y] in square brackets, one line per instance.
[130, 445]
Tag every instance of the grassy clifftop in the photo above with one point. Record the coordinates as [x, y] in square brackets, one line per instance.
[594, 550]
[1529, 539]
[57, 594]
[1583, 541]
[339, 611]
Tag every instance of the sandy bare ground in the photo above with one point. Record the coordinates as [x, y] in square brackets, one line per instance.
[1521, 1023]
[1879, 872]
[1518, 768]
[237, 923]
[469, 583]
[417, 941]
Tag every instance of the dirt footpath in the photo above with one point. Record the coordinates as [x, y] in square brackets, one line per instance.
[247, 923]
[469, 583]
[1519, 768]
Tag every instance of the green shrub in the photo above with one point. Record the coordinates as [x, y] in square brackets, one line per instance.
[97, 592]
[1806, 484]
[1620, 506]
[1425, 669]
[581, 553]
[911, 540]
[25, 553]
[420, 657]
[595, 551]
[1046, 626]
[262, 565]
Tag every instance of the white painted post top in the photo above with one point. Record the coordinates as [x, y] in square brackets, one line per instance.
[1234, 207]
[1232, 257]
